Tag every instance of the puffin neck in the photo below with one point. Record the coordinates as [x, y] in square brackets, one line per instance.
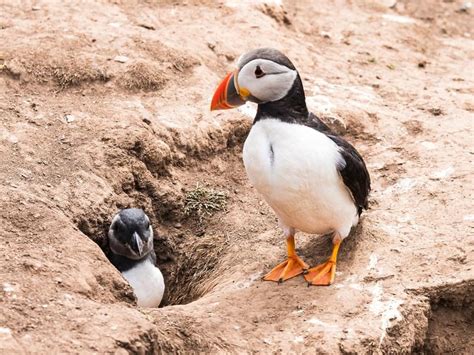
[291, 108]
[123, 263]
[121, 251]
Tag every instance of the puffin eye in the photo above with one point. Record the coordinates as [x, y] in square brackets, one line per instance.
[259, 72]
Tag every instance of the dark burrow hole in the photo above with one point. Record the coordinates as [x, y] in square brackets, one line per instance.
[451, 322]
[187, 254]
[186, 258]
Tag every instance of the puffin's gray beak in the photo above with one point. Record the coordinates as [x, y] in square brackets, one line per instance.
[137, 243]
[228, 94]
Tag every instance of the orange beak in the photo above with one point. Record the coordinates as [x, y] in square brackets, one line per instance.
[227, 94]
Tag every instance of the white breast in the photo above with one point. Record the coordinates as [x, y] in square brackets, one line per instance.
[294, 167]
[147, 283]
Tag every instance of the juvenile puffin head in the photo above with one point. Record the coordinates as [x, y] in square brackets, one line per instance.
[264, 76]
[131, 234]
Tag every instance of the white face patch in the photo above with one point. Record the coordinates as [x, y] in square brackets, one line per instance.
[272, 86]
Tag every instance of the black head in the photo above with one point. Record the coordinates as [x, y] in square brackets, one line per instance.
[267, 77]
[131, 234]
[270, 54]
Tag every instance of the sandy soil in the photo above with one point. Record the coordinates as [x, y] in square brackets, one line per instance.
[105, 106]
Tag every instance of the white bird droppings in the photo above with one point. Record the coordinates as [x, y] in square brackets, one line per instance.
[443, 174]
[398, 19]
[401, 186]
[428, 145]
[298, 339]
[316, 321]
[247, 282]
[6, 135]
[8, 287]
[388, 310]
[356, 286]
[5, 331]
[327, 327]
[298, 312]
[373, 259]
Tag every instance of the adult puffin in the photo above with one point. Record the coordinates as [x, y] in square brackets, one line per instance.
[313, 179]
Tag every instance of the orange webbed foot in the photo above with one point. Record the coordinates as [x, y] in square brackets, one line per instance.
[321, 275]
[291, 267]
[324, 274]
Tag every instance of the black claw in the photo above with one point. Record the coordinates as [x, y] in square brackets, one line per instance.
[280, 280]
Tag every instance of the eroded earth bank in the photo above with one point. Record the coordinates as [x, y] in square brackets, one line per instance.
[106, 105]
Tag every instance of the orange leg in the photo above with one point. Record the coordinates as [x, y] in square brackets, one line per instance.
[291, 267]
[323, 275]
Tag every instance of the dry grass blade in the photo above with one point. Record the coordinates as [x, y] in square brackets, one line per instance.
[144, 76]
[204, 202]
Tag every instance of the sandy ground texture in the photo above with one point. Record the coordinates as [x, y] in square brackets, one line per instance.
[105, 105]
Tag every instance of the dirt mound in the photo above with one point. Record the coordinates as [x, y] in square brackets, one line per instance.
[106, 107]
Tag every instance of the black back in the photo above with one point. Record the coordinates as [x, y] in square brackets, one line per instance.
[292, 109]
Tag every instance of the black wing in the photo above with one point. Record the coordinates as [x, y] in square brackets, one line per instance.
[354, 172]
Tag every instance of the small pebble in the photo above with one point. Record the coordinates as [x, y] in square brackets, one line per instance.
[325, 34]
[436, 111]
[69, 118]
[388, 3]
[121, 59]
[465, 7]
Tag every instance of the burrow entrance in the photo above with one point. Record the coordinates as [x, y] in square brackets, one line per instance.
[451, 321]
[184, 205]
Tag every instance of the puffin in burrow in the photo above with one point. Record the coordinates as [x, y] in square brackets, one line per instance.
[313, 179]
[131, 252]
